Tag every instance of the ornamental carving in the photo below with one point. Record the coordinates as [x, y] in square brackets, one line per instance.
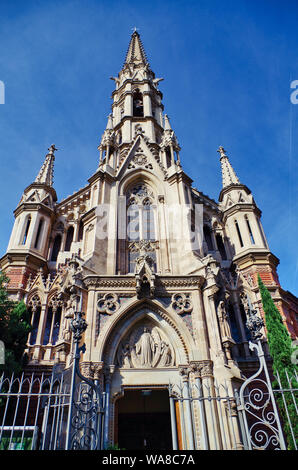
[56, 302]
[143, 245]
[139, 193]
[139, 159]
[34, 303]
[201, 369]
[109, 304]
[145, 348]
[181, 303]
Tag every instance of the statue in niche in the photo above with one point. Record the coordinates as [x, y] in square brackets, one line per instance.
[124, 356]
[166, 355]
[145, 348]
[223, 318]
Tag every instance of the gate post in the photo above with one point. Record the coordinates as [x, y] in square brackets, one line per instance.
[78, 326]
[85, 398]
[173, 418]
[254, 402]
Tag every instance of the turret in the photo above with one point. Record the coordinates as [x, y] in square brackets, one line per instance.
[240, 212]
[28, 245]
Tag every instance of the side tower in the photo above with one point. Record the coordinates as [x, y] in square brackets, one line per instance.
[27, 250]
[250, 250]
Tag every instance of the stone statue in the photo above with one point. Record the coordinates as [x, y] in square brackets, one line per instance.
[166, 355]
[223, 318]
[145, 348]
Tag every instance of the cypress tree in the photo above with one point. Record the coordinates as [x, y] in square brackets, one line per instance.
[281, 352]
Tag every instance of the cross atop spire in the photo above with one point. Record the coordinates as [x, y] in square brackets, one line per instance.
[136, 52]
[45, 175]
[228, 173]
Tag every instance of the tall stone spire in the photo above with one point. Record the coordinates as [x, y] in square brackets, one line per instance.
[136, 53]
[228, 173]
[46, 173]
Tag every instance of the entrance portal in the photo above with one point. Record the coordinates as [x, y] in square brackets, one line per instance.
[144, 420]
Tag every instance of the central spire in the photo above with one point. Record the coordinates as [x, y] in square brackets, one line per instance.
[136, 53]
[137, 114]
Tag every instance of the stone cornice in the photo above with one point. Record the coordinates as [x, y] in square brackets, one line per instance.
[128, 281]
[22, 258]
[231, 187]
[44, 186]
[179, 176]
[33, 206]
[83, 192]
[138, 119]
[256, 256]
[241, 207]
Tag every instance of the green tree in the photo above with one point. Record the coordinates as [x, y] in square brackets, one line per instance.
[281, 352]
[14, 329]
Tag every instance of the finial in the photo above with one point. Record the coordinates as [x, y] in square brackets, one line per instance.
[134, 30]
[110, 121]
[167, 125]
[222, 151]
[52, 149]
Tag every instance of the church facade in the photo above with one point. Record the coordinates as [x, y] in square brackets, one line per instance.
[164, 274]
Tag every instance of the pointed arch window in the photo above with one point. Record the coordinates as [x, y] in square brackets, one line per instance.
[26, 231]
[38, 234]
[249, 230]
[69, 238]
[141, 226]
[138, 109]
[208, 237]
[56, 247]
[34, 308]
[239, 233]
[53, 322]
[221, 246]
[81, 231]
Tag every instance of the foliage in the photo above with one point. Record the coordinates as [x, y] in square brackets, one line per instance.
[114, 447]
[14, 329]
[281, 352]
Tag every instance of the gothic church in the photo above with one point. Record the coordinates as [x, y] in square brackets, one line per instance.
[164, 274]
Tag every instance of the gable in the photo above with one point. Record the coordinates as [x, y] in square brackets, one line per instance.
[143, 156]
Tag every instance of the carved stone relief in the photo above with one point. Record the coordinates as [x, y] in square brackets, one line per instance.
[145, 347]
[181, 303]
[109, 304]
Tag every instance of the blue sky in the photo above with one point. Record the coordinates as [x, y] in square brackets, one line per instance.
[227, 68]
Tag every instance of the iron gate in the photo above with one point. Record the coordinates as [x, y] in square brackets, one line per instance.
[61, 411]
[66, 410]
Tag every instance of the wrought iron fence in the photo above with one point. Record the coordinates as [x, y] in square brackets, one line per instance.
[253, 416]
[66, 410]
[61, 411]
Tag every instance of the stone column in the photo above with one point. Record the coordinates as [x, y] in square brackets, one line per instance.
[173, 421]
[210, 290]
[184, 371]
[147, 104]
[163, 229]
[195, 368]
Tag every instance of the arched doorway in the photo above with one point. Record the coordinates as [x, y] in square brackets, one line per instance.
[142, 352]
[143, 420]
